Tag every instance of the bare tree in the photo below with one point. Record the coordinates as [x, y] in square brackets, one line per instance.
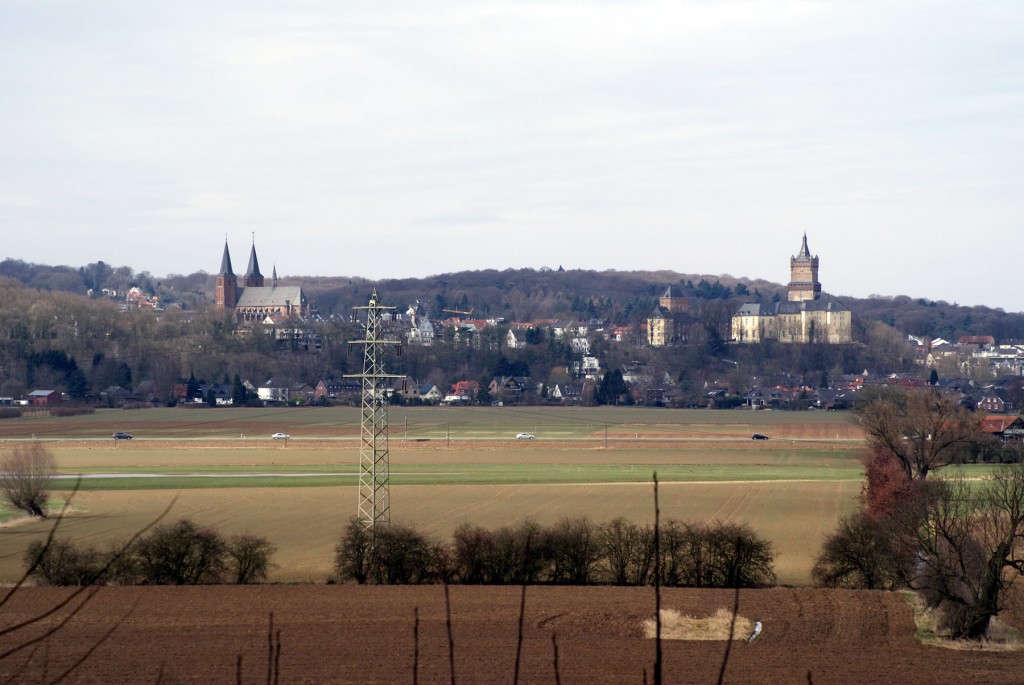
[861, 554]
[181, 553]
[249, 558]
[922, 430]
[25, 476]
[969, 544]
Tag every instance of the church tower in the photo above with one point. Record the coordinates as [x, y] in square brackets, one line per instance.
[227, 283]
[253, 278]
[803, 276]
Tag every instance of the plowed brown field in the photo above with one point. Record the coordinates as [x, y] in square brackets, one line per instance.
[350, 634]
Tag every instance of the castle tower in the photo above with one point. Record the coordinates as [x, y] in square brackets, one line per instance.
[803, 276]
[227, 283]
[253, 278]
[673, 302]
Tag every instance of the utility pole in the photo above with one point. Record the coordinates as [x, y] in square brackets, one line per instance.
[374, 469]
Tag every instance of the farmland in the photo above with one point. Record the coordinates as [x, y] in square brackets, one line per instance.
[365, 634]
[448, 466]
[220, 468]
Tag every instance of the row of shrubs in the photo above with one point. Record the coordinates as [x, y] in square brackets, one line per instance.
[16, 412]
[71, 411]
[181, 553]
[573, 551]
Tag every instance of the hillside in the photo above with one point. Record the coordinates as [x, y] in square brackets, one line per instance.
[528, 294]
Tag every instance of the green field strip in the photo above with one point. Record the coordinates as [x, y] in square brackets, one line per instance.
[447, 474]
[171, 423]
[276, 476]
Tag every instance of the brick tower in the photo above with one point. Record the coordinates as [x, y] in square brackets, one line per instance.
[803, 276]
[227, 283]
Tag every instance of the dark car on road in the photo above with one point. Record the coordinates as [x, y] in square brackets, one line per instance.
[758, 436]
[122, 436]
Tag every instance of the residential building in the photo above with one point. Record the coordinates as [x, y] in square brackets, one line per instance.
[334, 390]
[567, 393]
[272, 392]
[430, 393]
[509, 388]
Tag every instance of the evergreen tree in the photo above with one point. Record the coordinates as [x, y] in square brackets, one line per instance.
[611, 388]
[193, 386]
[77, 385]
[239, 394]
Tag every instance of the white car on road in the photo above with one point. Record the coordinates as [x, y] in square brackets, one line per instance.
[280, 436]
[524, 436]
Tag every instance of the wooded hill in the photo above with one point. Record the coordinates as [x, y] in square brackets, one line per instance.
[54, 335]
[529, 294]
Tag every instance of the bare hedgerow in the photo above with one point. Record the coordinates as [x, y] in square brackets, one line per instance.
[180, 554]
[472, 549]
[573, 549]
[400, 556]
[508, 555]
[385, 555]
[25, 477]
[61, 562]
[627, 552]
[739, 557]
[352, 554]
[249, 558]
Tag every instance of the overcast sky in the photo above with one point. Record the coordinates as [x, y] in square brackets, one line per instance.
[409, 138]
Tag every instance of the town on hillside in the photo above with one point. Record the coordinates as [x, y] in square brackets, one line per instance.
[263, 341]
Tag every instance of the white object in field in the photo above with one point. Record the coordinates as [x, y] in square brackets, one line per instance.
[757, 631]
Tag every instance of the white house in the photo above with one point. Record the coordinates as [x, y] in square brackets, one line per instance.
[272, 392]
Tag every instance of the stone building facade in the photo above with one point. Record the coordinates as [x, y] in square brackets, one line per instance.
[807, 316]
[666, 324]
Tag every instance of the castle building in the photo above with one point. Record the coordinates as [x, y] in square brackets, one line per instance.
[808, 316]
[254, 301]
[665, 325]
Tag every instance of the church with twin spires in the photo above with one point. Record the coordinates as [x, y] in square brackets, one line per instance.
[807, 316]
[254, 301]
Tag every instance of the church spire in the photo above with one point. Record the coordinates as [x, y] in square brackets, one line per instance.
[254, 264]
[274, 277]
[225, 261]
[253, 278]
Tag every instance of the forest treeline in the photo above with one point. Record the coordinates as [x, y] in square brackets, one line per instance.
[54, 334]
[528, 294]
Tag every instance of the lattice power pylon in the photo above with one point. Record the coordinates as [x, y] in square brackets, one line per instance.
[374, 471]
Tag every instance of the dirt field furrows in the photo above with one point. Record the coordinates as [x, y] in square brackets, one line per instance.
[349, 634]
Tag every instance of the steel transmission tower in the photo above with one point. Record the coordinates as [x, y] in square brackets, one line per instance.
[374, 472]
